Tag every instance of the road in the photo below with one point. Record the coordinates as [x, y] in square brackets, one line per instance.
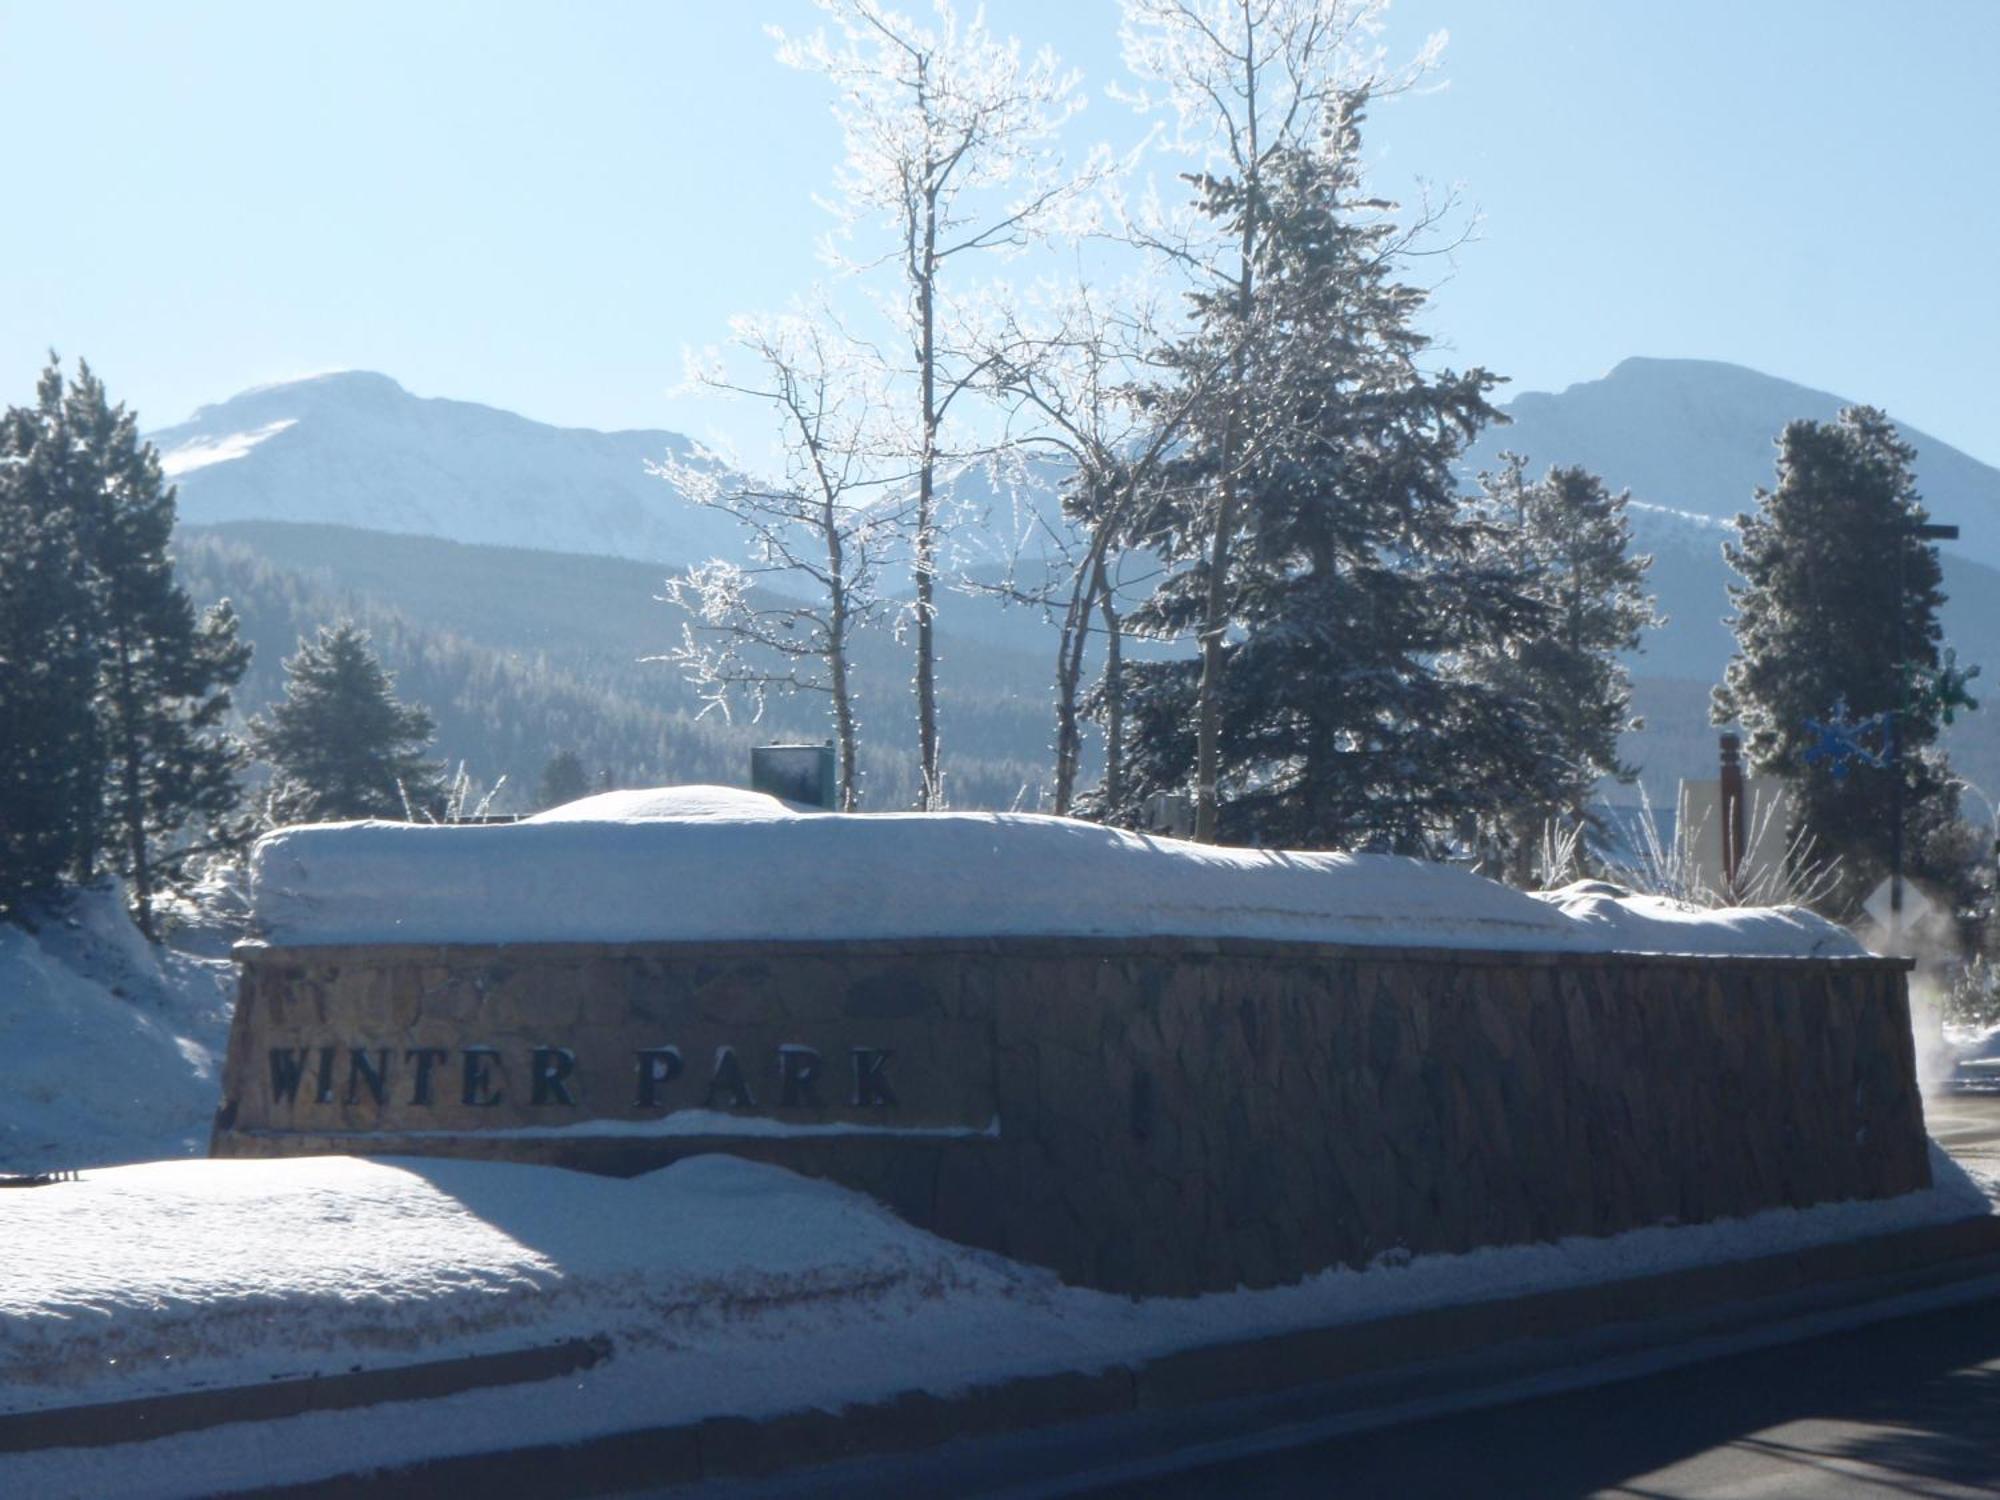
[1905, 1406]
[1968, 1126]
[1902, 1408]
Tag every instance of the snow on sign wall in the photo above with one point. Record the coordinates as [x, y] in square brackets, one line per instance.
[715, 864]
[1154, 1067]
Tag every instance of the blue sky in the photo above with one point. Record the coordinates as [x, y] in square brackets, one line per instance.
[538, 206]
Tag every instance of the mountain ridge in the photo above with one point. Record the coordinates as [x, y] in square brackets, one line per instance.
[1691, 440]
[1700, 436]
[355, 448]
[1693, 436]
[359, 379]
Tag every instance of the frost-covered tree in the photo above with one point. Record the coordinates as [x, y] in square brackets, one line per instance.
[339, 744]
[1822, 561]
[1246, 85]
[1322, 482]
[49, 755]
[820, 526]
[1078, 368]
[163, 768]
[1571, 540]
[950, 135]
[165, 670]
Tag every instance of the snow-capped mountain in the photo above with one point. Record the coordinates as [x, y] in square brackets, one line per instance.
[1690, 438]
[356, 449]
[1694, 438]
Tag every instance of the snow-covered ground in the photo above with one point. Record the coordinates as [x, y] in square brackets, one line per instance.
[718, 864]
[110, 1048]
[725, 1287]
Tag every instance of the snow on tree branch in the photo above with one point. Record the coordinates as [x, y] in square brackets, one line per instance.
[821, 522]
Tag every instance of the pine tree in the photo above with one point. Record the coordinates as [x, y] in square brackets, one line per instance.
[162, 768]
[165, 671]
[339, 744]
[49, 754]
[563, 780]
[1251, 89]
[1356, 580]
[1571, 540]
[1822, 562]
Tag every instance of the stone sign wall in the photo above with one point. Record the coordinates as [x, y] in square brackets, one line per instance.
[1150, 1115]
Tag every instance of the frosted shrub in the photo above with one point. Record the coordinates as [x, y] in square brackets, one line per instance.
[1660, 865]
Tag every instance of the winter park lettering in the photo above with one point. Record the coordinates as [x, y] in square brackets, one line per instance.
[482, 1078]
[1071, 1100]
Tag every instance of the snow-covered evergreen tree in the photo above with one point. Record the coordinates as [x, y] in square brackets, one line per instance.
[1571, 539]
[339, 743]
[49, 755]
[172, 785]
[1822, 561]
[1357, 577]
[1246, 88]
[163, 767]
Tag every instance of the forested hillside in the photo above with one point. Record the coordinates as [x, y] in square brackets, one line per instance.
[520, 654]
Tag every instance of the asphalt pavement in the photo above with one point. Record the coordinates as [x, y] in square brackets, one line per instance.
[1968, 1126]
[1897, 1394]
[1907, 1407]
[1898, 1397]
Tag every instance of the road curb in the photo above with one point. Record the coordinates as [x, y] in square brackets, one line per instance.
[1730, 1295]
[102, 1424]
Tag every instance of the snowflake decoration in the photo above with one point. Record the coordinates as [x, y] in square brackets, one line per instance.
[1945, 691]
[1839, 740]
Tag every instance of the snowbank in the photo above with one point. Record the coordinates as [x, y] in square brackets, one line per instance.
[143, 1279]
[109, 1047]
[1619, 921]
[725, 1286]
[708, 863]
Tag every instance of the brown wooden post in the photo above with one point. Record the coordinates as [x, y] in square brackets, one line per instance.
[1732, 815]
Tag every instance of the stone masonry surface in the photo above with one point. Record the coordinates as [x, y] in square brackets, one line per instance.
[1156, 1116]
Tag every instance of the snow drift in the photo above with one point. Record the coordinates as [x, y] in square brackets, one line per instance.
[109, 1047]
